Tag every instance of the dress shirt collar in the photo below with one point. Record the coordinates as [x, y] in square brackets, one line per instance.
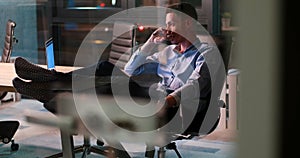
[190, 50]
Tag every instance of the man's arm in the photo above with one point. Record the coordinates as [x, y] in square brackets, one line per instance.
[139, 57]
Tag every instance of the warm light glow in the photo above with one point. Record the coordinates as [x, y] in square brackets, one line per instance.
[141, 28]
[102, 4]
[99, 41]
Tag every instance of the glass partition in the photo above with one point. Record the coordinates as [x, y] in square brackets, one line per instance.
[92, 4]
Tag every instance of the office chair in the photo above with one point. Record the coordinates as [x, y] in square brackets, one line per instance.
[10, 39]
[123, 43]
[7, 131]
[224, 45]
[8, 128]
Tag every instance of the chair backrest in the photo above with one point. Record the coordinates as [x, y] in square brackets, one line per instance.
[9, 40]
[224, 44]
[123, 43]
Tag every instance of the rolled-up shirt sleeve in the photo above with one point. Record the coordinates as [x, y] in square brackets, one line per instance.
[133, 65]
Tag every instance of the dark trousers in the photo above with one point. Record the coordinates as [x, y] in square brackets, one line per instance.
[138, 87]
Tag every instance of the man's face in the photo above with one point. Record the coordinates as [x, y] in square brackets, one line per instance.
[174, 27]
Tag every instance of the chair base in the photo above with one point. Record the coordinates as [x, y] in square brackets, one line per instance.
[10, 96]
[172, 146]
[162, 151]
[87, 149]
[7, 131]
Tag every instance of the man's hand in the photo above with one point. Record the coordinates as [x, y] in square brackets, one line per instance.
[168, 102]
[171, 101]
[157, 37]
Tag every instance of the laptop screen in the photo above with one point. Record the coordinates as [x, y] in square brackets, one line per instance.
[50, 54]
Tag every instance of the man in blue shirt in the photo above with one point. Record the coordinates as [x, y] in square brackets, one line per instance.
[182, 66]
[187, 68]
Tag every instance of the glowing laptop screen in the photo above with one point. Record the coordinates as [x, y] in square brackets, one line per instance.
[50, 54]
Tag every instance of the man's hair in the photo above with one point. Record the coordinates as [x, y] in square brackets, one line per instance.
[184, 7]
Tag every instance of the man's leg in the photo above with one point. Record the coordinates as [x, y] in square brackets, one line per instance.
[45, 83]
[29, 71]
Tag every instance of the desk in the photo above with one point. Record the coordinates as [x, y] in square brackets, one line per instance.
[7, 74]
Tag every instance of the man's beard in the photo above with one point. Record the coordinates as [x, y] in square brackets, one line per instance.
[174, 38]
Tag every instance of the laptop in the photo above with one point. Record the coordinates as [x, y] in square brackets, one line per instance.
[50, 54]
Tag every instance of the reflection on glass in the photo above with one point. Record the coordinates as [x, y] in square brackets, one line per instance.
[92, 4]
[196, 3]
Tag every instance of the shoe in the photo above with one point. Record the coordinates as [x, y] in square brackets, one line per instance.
[29, 71]
[39, 91]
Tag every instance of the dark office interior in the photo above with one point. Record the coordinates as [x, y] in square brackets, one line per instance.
[259, 116]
